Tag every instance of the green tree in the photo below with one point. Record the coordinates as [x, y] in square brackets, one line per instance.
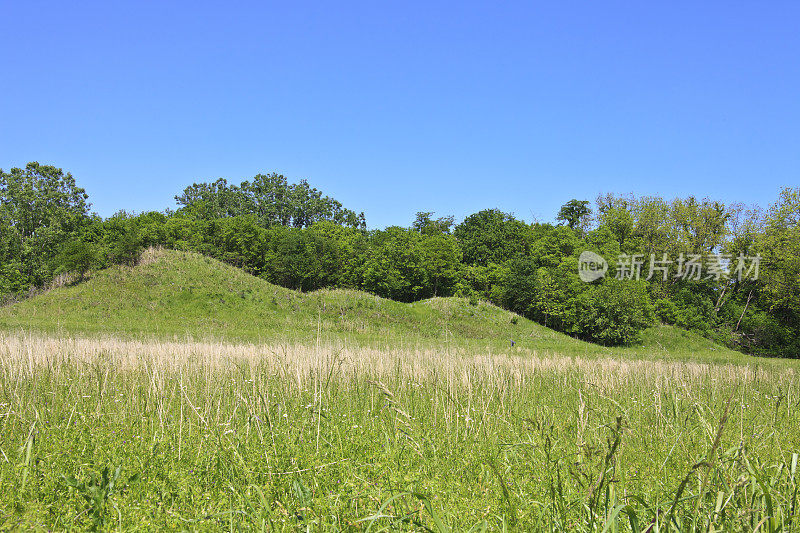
[576, 213]
[347, 260]
[617, 215]
[42, 196]
[402, 264]
[701, 225]
[614, 312]
[427, 225]
[270, 198]
[41, 207]
[303, 260]
[491, 236]
[78, 257]
[551, 244]
[548, 295]
[780, 247]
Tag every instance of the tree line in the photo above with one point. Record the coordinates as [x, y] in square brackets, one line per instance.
[294, 236]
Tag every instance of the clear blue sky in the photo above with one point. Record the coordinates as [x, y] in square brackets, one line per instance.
[399, 107]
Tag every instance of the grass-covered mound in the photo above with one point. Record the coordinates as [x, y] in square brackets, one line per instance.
[174, 294]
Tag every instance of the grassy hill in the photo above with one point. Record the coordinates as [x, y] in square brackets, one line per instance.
[174, 294]
[316, 439]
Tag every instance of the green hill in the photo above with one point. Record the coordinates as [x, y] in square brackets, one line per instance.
[174, 294]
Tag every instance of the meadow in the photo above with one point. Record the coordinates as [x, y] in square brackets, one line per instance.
[184, 394]
[183, 296]
[114, 434]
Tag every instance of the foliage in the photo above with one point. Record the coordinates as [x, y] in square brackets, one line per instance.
[576, 214]
[294, 236]
[780, 247]
[615, 312]
[174, 294]
[41, 207]
[407, 265]
[77, 256]
[425, 224]
[270, 198]
[491, 236]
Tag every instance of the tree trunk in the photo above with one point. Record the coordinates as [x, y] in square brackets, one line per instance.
[745, 310]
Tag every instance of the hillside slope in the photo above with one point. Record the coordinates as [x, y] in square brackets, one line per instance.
[174, 294]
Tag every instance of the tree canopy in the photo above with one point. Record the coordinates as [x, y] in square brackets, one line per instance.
[294, 236]
[270, 198]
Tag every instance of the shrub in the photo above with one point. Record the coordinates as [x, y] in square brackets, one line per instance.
[615, 312]
[78, 257]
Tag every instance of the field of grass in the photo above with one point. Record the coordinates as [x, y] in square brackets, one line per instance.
[181, 295]
[184, 394]
[146, 435]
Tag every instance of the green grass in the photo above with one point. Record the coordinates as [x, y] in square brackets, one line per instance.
[142, 437]
[178, 295]
[184, 394]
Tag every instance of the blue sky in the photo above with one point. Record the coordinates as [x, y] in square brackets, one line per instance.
[399, 107]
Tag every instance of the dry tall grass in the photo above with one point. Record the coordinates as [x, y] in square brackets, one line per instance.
[25, 351]
[320, 435]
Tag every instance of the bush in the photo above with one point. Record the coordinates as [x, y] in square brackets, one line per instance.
[77, 257]
[666, 311]
[615, 312]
